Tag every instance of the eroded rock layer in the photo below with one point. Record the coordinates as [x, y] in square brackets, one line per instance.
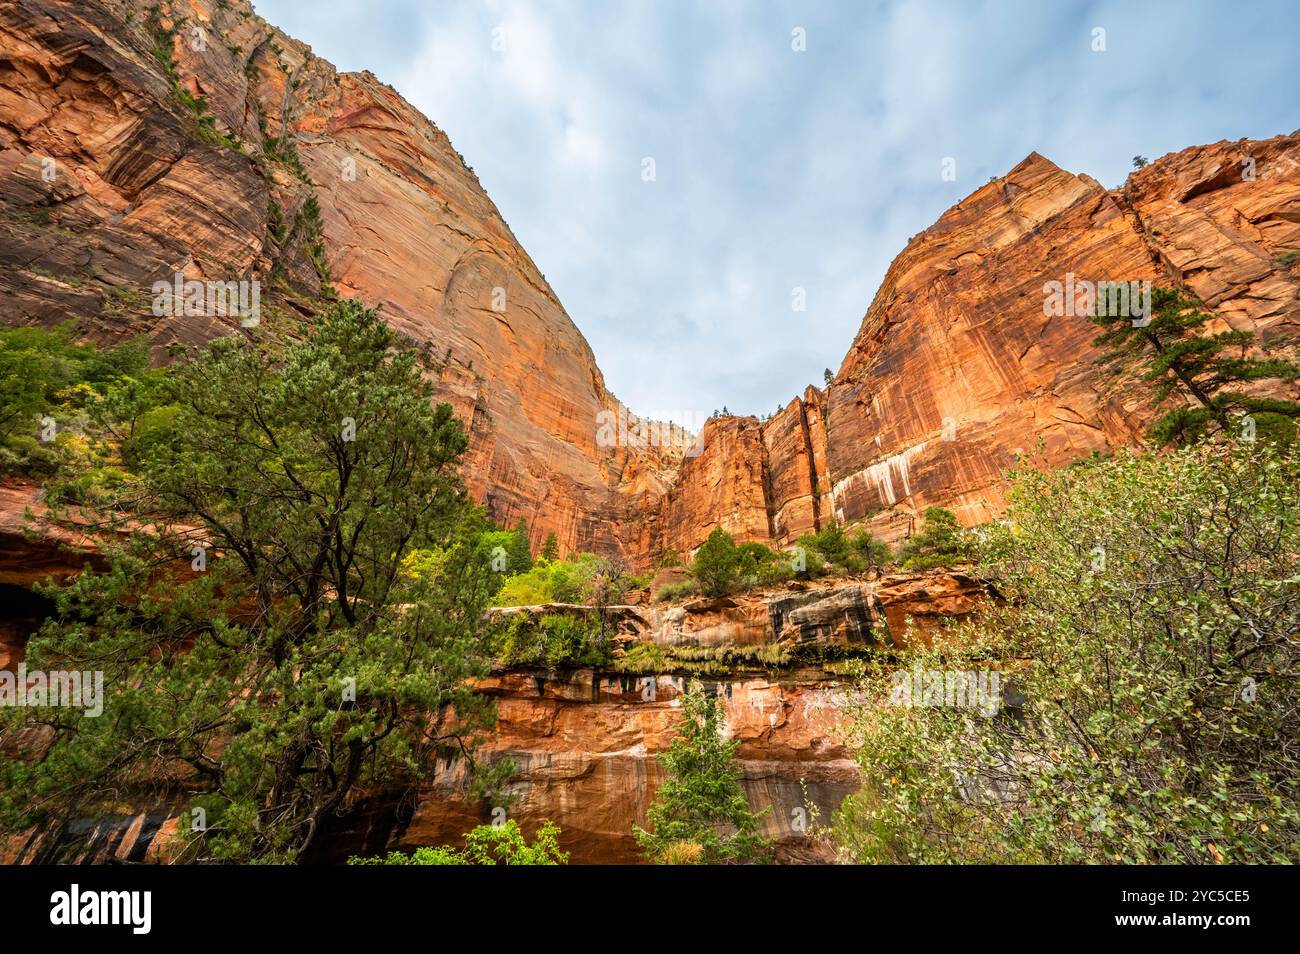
[956, 367]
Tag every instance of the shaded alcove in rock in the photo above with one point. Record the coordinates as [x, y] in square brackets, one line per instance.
[22, 612]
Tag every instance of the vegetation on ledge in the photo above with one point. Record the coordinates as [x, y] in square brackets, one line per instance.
[502, 844]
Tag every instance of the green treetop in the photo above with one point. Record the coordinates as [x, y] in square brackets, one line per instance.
[1208, 370]
[700, 804]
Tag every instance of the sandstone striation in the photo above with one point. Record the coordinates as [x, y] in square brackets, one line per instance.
[956, 368]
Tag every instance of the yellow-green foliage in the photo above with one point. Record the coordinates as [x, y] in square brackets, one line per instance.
[563, 581]
[67, 409]
[556, 641]
[485, 845]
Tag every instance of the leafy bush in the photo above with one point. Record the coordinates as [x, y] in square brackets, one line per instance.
[717, 564]
[561, 581]
[870, 552]
[941, 542]
[485, 845]
[1150, 632]
[855, 553]
[831, 542]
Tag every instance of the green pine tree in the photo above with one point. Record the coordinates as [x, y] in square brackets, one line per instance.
[700, 806]
[550, 549]
[299, 663]
[519, 554]
[1207, 370]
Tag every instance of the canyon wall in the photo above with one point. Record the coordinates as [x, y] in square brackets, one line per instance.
[253, 159]
[956, 369]
[140, 140]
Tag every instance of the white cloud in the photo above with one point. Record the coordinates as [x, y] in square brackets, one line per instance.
[778, 168]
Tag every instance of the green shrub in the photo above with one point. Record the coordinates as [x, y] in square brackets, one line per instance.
[1148, 646]
[677, 591]
[831, 542]
[778, 571]
[717, 564]
[831, 547]
[941, 542]
[485, 845]
[869, 551]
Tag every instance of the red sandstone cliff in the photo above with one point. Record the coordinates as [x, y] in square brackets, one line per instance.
[115, 174]
[111, 179]
[956, 368]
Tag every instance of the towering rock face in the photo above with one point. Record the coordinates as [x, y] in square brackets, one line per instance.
[957, 368]
[139, 140]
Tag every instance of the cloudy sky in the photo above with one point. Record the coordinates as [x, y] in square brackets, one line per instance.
[778, 169]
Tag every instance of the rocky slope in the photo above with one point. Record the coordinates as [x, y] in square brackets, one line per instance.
[138, 140]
